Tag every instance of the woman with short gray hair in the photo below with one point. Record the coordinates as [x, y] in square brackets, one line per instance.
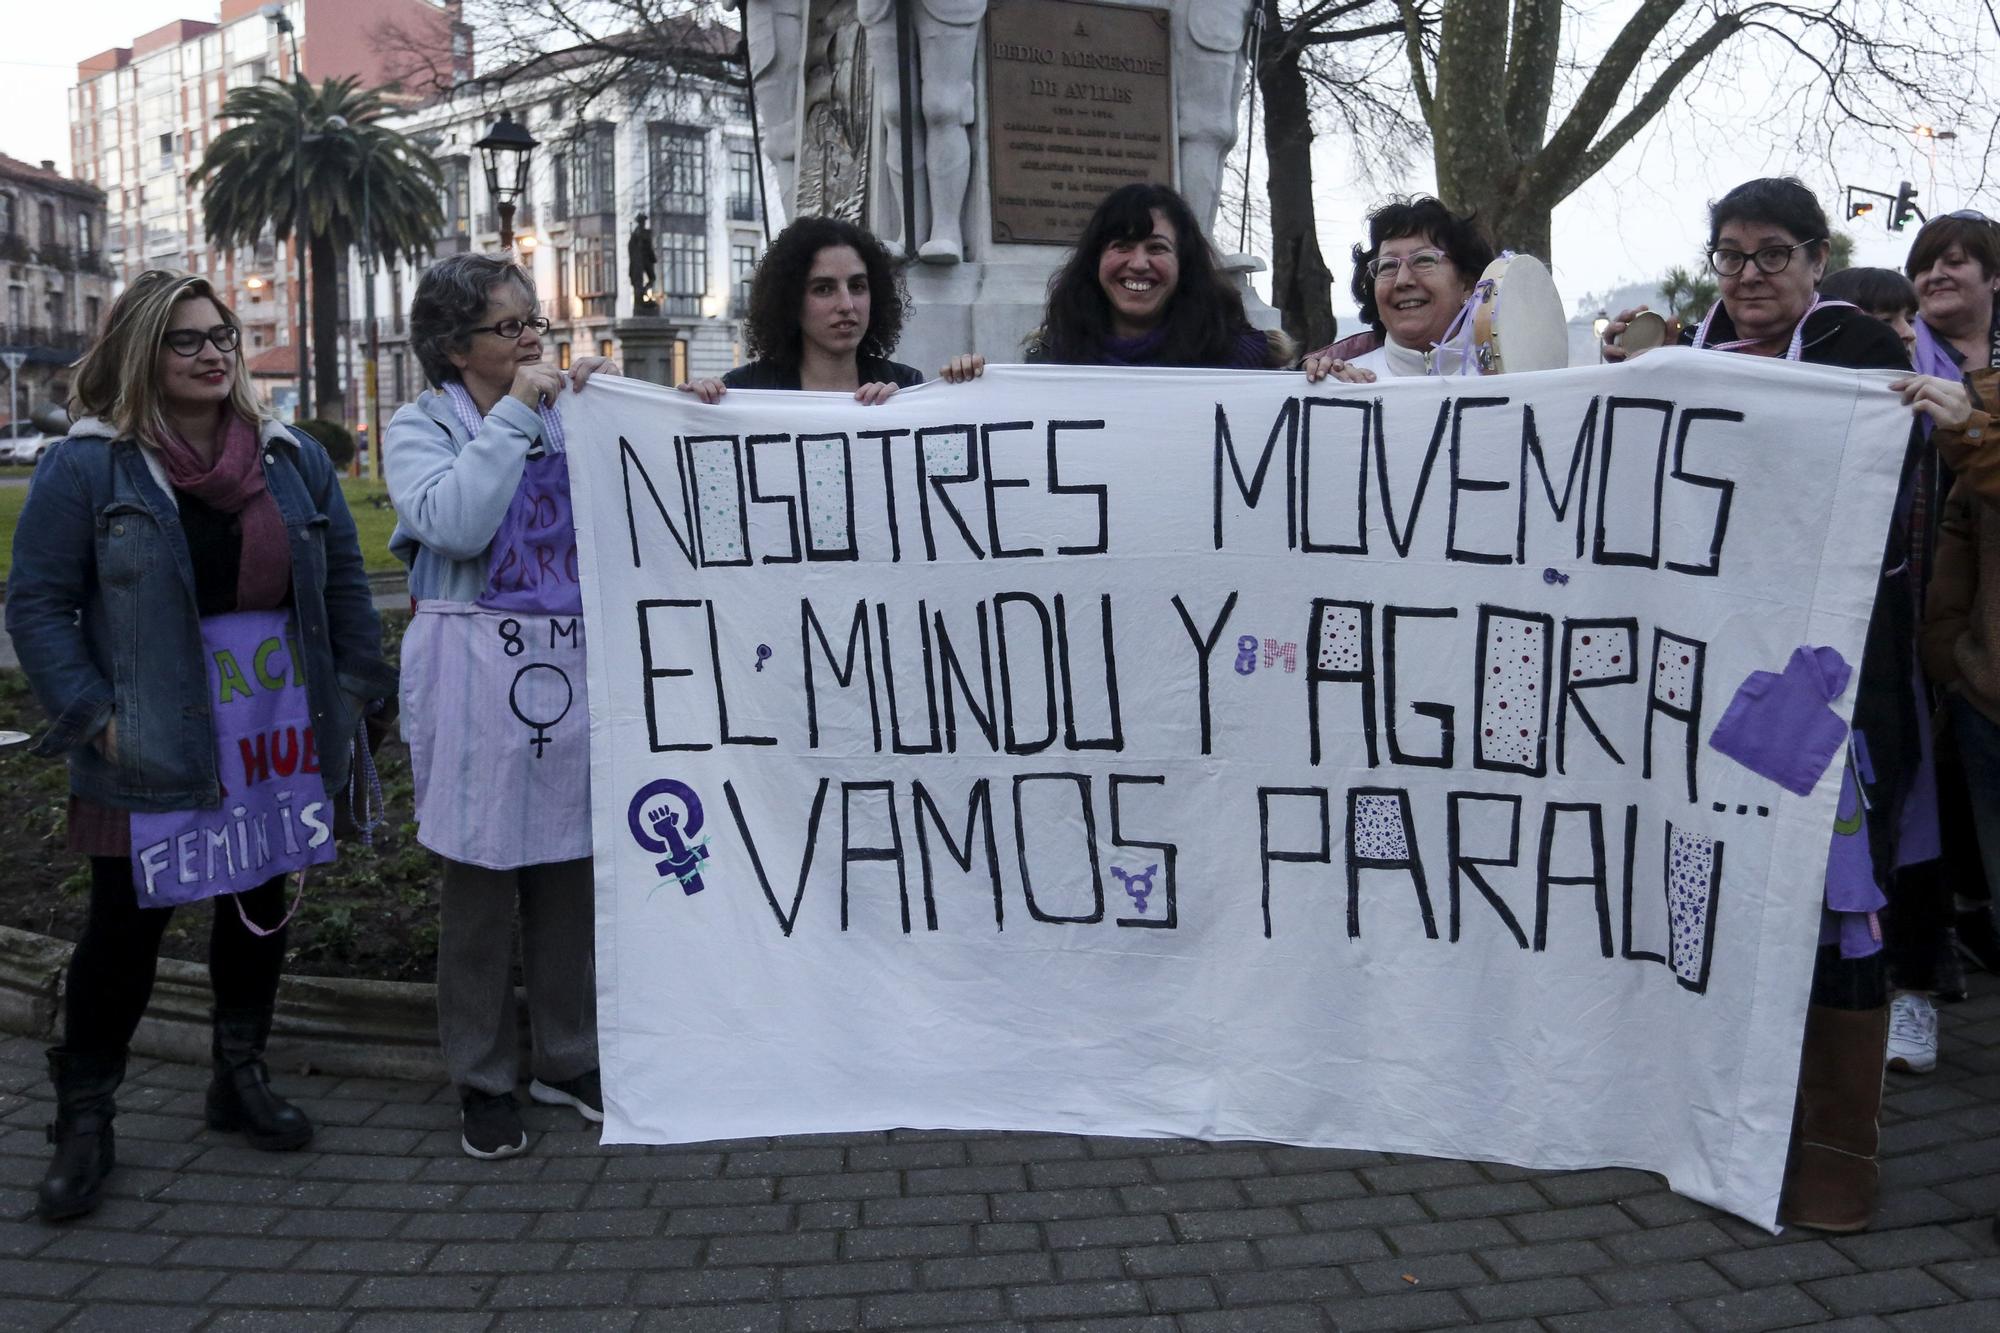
[480, 480]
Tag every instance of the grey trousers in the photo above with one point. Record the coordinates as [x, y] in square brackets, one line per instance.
[477, 1024]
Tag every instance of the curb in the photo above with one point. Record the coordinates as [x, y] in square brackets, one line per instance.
[325, 1025]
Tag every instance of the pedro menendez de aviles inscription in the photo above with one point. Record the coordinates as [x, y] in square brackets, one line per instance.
[1080, 101]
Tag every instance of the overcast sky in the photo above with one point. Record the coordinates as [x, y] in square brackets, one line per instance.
[1641, 215]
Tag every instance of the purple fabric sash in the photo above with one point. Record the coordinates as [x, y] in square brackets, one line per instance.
[274, 817]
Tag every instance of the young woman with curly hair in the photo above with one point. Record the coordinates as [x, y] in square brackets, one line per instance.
[826, 308]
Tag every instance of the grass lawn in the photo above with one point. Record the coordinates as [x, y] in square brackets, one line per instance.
[368, 500]
[11, 500]
[374, 520]
[372, 913]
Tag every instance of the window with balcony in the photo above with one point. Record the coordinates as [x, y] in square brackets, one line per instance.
[742, 182]
[679, 162]
[596, 261]
[593, 183]
[683, 268]
[457, 197]
[742, 268]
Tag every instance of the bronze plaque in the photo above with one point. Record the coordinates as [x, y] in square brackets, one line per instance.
[1079, 101]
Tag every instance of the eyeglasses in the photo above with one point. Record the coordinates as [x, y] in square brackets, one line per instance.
[1419, 262]
[511, 328]
[1771, 259]
[187, 342]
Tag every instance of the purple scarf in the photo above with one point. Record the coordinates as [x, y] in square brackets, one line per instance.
[233, 482]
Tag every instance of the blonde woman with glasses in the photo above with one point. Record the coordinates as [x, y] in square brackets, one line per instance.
[179, 526]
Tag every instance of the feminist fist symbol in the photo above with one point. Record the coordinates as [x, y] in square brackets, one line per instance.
[658, 827]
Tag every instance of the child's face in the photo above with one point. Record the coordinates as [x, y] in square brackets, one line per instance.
[1899, 319]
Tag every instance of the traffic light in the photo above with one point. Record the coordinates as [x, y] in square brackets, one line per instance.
[1861, 209]
[1906, 206]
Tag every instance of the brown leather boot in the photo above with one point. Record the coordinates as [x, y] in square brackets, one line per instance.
[1831, 1177]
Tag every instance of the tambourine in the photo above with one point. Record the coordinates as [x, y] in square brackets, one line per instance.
[1517, 318]
[1643, 332]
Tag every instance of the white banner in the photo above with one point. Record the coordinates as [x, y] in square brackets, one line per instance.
[1214, 754]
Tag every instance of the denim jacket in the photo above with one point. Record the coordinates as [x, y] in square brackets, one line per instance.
[101, 609]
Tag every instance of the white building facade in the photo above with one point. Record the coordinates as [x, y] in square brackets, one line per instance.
[683, 156]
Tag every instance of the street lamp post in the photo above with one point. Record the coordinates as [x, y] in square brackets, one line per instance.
[504, 154]
[275, 13]
[372, 412]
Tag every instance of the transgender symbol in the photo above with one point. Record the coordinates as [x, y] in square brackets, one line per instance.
[540, 694]
[1138, 883]
[658, 827]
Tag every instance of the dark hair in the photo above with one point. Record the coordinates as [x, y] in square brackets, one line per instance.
[451, 296]
[1780, 201]
[1872, 289]
[1461, 237]
[1978, 237]
[779, 288]
[1204, 317]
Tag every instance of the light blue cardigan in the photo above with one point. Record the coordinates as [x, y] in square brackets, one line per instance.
[451, 491]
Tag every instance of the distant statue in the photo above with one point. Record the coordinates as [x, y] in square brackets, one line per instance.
[947, 47]
[643, 267]
[775, 30]
[1209, 68]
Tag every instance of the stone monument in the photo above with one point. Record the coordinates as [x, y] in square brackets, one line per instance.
[1026, 113]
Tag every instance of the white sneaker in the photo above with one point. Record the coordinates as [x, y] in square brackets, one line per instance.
[1912, 1034]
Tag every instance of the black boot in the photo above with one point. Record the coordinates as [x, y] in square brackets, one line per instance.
[85, 1089]
[240, 1096]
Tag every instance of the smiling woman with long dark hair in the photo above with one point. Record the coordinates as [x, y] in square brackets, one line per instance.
[1143, 287]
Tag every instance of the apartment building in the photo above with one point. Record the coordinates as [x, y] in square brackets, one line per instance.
[141, 116]
[57, 282]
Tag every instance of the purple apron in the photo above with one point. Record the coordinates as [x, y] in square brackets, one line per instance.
[531, 565]
[275, 817]
[494, 705]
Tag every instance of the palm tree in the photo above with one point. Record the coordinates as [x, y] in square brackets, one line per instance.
[1688, 294]
[330, 135]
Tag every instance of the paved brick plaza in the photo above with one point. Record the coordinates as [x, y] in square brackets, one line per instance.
[383, 1224]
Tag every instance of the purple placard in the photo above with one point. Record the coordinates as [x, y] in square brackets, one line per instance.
[275, 817]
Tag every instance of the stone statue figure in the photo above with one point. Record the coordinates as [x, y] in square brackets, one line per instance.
[642, 262]
[947, 33]
[835, 116]
[775, 30]
[1209, 67]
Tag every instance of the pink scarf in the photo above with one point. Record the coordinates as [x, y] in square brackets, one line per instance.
[233, 482]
